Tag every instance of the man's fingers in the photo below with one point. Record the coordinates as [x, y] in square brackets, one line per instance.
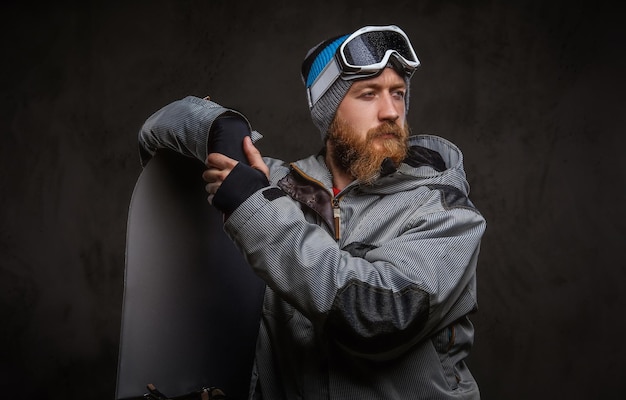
[207, 175]
[211, 188]
[254, 156]
[220, 161]
[214, 175]
[220, 166]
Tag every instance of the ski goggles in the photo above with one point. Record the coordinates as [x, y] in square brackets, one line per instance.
[363, 54]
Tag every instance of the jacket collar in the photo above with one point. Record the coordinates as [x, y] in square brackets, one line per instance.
[429, 157]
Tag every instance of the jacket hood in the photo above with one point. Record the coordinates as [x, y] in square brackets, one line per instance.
[452, 174]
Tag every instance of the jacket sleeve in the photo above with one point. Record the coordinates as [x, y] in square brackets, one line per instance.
[375, 304]
[184, 126]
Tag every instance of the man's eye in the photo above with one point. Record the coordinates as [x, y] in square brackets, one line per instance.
[400, 94]
[367, 95]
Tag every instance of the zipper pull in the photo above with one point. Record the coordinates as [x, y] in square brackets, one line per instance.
[336, 217]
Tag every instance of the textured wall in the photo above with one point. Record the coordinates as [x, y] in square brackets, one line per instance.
[533, 93]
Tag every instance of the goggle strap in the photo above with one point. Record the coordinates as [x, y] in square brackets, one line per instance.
[325, 79]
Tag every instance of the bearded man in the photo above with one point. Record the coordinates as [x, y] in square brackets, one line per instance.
[368, 249]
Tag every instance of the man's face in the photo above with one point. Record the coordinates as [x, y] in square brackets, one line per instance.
[370, 126]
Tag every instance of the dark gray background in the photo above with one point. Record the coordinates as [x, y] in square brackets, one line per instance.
[532, 92]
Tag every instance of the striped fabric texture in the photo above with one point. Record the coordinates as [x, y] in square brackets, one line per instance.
[389, 323]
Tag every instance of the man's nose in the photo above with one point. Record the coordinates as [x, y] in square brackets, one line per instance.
[388, 108]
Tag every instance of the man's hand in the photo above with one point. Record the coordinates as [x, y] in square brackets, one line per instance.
[220, 168]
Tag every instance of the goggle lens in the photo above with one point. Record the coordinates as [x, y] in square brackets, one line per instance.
[370, 48]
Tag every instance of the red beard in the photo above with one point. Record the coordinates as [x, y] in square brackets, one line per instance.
[363, 158]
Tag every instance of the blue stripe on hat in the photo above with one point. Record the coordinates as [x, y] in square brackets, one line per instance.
[322, 59]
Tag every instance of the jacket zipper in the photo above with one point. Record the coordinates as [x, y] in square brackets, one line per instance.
[337, 218]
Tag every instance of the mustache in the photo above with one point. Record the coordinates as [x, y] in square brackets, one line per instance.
[387, 128]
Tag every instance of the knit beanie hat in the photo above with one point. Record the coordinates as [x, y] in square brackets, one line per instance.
[323, 111]
[317, 58]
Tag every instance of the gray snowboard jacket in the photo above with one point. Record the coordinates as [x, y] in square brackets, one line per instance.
[369, 291]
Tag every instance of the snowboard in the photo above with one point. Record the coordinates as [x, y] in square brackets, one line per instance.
[192, 305]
